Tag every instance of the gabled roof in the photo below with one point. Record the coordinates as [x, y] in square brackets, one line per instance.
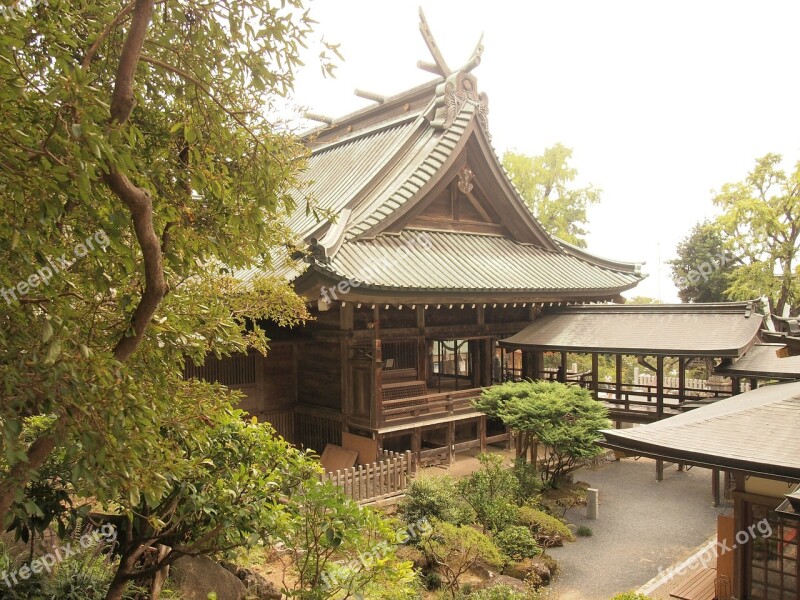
[719, 329]
[378, 169]
[764, 361]
[755, 432]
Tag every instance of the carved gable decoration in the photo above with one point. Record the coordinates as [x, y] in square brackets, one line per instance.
[452, 94]
[461, 206]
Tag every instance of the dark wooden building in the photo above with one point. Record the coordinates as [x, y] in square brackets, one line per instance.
[431, 259]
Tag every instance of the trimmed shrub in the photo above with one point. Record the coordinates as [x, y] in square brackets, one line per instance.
[548, 530]
[435, 498]
[499, 592]
[517, 542]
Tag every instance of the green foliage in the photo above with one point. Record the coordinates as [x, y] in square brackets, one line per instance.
[545, 182]
[491, 491]
[529, 484]
[759, 230]
[630, 596]
[517, 542]
[456, 549]
[336, 548]
[85, 575]
[548, 530]
[499, 592]
[192, 184]
[429, 497]
[703, 266]
[564, 418]
[584, 531]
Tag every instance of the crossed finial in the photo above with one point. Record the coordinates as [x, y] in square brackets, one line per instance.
[439, 66]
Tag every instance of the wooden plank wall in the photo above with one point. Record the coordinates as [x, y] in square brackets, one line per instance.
[320, 380]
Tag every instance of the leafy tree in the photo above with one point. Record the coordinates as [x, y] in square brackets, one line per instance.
[703, 266]
[643, 300]
[565, 419]
[760, 227]
[546, 183]
[135, 144]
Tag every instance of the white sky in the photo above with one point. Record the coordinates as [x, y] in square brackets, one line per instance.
[662, 102]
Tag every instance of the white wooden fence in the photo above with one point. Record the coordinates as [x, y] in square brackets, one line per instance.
[376, 482]
[715, 383]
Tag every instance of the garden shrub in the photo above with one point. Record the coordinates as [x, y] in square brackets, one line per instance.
[547, 529]
[517, 542]
[631, 596]
[529, 484]
[455, 550]
[435, 498]
[584, 531]
[499, 592]
[492, 493]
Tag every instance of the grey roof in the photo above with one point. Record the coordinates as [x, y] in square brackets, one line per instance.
[434, 260]
[724, 329]
[762, 360]
[755, 432]
[371, 169]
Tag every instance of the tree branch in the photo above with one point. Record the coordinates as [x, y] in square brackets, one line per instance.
[122, 99]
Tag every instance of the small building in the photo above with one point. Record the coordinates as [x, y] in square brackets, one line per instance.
[755, 437]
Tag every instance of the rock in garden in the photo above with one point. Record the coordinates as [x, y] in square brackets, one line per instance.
[196, 577]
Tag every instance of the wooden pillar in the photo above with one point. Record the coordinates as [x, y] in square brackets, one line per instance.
[618, 365]
[736, 386]
[422, 347]
[739, 524]
[682, 361]
[753, 383]
[451, 442]
[660, 387]
[564, 362]
[715, 495]
[595, 373]
[487, 361]
[416, 447]
[346, 319]
[659, 470]
[377, 368]
[482, 432]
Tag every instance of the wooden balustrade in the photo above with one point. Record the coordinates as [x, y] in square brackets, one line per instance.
[429, 406]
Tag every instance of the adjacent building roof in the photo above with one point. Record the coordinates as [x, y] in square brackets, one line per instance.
[373, 176]
[763, 361]
[755, 433]
[720, 329]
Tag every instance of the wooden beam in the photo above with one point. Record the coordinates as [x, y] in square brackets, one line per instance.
[595, 373]
[433, 47]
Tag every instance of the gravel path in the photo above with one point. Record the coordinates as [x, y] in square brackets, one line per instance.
[643, 525]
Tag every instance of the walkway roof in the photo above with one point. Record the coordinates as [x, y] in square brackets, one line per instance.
[755, 433]
[765, 361]
[719, 330]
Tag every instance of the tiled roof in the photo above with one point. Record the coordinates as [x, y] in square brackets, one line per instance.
[727, 329]
[754, 432]
[762, 360]
[433, 260]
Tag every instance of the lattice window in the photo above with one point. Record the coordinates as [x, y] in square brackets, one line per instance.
[232, 371]
[399, 354]
[772, 560]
